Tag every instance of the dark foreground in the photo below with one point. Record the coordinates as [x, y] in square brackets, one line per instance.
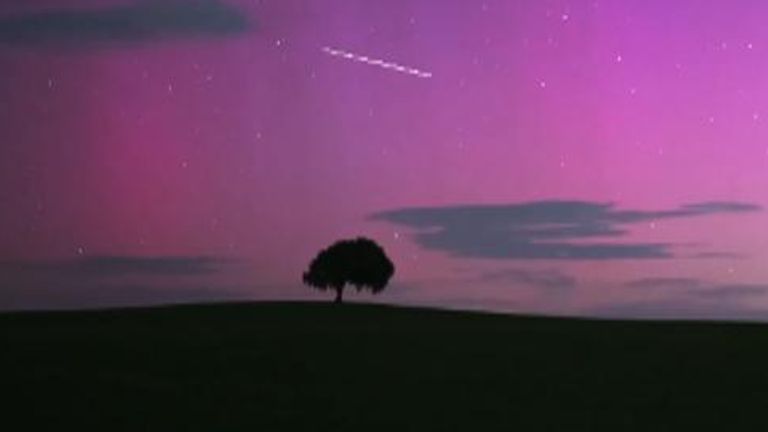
[318, 367]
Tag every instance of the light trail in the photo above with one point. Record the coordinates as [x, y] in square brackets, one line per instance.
[377, 62]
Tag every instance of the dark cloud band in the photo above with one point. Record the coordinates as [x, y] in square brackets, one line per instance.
[557, 230]
[120, 266]
[546, 279]
[135, 23]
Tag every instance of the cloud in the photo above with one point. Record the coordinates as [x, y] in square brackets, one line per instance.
[555, 230]
[674, 283]
[732, 291]
[697, 288]
[678, 309]
[718, 255]
[71, 295]
[113, 281]
[546, 279]
[122, 266]
[691, 299]
[142, 21]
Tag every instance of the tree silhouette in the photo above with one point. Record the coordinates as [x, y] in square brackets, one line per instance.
[359, 262]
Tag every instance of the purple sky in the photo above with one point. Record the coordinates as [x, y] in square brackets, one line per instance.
[571, 157]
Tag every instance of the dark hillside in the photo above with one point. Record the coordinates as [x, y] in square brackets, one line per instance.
[305, 366]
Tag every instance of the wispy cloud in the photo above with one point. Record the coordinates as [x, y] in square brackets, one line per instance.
[718, 255]
[556, 230]
[673, 283]
[112, 281]
[697, 288]
[732, 291]
[689, 298]
[119, 265]
[78, 295]
[115, 265]
[546, 279]
[142, 21]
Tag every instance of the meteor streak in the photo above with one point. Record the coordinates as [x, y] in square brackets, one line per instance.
[376, 62]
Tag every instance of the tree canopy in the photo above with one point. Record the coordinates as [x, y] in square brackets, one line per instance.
[359, 262]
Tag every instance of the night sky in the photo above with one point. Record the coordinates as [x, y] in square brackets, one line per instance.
[599, 158]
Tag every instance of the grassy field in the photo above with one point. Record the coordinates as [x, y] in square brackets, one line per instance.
[320, 367]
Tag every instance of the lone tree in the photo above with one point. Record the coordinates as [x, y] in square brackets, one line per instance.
[359, 262]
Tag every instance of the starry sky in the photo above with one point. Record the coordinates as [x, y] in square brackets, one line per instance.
[592, 158]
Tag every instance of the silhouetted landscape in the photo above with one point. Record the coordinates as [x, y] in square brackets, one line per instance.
[356, 367]
[359, 262]
[199, 197]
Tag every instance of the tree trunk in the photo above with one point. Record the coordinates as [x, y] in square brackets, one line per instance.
[339, 291]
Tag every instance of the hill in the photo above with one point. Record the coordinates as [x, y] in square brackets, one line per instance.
[321, 367]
